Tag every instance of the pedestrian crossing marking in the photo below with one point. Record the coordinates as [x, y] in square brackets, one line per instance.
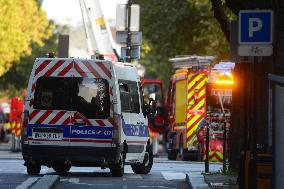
[74, 180]
[27, 183]
[173, 175]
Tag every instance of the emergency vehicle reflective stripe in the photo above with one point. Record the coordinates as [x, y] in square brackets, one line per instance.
[196, 84]
[65, 70]
[18, 129]
[48, 116]
[42, 66]
[200, 86]
[94, 72]
[53, 68]
[61, 117]
[196, 95]
[57, 117]
[214, 156]
[201, 93]
[13, 127]
[105, 69]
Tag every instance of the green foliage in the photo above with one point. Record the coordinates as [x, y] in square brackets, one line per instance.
[22, 23]
[15, 80]
[173, 28]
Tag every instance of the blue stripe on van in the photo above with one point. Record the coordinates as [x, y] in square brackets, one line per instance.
[74, 131]
[135, 130]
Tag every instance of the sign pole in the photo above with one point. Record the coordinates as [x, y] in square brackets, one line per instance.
[207, 149]
[128, 44]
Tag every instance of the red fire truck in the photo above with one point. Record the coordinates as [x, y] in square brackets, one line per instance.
[191, 107]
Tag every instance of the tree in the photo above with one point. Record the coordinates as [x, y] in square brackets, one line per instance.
[175, 28]
[15, 80]
[22, 23]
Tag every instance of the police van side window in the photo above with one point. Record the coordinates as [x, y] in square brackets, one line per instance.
[129, 96]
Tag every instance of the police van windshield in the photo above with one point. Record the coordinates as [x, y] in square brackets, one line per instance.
[89, 96]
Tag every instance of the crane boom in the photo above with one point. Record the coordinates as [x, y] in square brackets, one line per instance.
[100, 35]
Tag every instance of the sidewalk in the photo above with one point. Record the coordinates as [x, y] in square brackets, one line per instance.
[198, 180]
[6, 153]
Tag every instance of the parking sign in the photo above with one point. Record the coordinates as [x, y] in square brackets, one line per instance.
[255, 27]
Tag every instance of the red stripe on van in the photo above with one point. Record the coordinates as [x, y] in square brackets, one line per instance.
[91, 69]
[33, 87]
[88, 123]
[44, 116]
[79, 70]
[57, 117]
[106, 71]
[66, 121]
[42, 66]
[53, 68]
[110, 91]
[66, 69]
[31, 102]
[110, 119]
[33, 114]
[100, 122]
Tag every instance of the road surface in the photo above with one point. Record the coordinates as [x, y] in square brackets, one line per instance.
[164, 174]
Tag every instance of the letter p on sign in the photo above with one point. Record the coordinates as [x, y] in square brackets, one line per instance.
[255, 26]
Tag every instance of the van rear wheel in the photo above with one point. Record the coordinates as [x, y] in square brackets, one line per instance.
[117, 169]
[61, 168]
[33, 169]
[146, 166]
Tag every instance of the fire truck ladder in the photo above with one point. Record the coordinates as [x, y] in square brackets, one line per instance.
[191, 61]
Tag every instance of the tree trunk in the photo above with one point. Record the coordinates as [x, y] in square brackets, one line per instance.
[220, 15]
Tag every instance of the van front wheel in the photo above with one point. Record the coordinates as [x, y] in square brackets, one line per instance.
[146, 166]
[33, 169]
[61, 168]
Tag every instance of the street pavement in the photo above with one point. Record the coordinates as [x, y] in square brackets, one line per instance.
[164, 174]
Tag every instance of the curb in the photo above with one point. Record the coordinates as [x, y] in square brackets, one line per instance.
[196, 182]
[187, 180]
[46, 182]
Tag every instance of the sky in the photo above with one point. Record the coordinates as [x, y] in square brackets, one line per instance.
[68, 11]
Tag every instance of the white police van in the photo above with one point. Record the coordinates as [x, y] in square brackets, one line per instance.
[85, 112]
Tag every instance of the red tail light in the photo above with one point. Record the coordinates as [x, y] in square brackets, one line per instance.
[116, 134]
[24, 130]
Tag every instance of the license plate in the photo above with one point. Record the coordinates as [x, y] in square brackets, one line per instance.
[47, 136]
[47, 133]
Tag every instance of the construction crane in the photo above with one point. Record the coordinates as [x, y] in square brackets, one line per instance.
[97, 31]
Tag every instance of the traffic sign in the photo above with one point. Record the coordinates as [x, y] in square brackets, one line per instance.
[136, 38]
[134, 52]
[255, 27]
[122, 17]
[255, 50]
